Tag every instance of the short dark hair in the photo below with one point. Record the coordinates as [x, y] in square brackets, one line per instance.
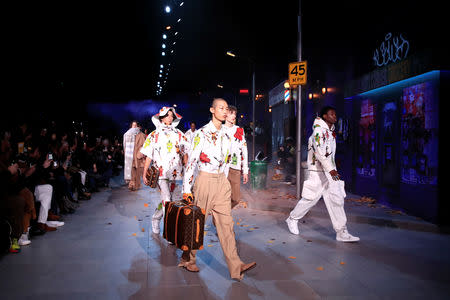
[215, 100]
[232, 108]
[192, 122]
[325, 110]
[134, 121]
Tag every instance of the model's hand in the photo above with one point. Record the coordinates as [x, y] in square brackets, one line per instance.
[335, 175]
[144, 178]
[245, 178]
[188, 197]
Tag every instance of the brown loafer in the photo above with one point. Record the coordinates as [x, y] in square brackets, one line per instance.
[192, 267]
[45, 227]
[246, 267]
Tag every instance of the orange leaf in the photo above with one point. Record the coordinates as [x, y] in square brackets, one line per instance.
[146, 204]
[342, 263]
[319, 268]
[134, 234]
[293, 257]
[143, 229]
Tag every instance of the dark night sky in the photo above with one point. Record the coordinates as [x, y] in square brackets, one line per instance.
[110, 51]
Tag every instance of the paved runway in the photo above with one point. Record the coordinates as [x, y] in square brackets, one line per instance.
[106, 251]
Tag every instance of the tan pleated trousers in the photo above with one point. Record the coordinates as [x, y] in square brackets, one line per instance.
[234, 177]
[212, 192]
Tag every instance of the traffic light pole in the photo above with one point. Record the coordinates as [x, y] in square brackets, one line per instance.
[299, 110]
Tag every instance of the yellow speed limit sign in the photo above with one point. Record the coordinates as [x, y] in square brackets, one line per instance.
[297, 73]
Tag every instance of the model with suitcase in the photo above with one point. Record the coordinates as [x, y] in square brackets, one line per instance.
[210, 152]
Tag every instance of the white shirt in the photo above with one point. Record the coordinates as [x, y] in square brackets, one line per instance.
[189, 136]
[239, 153]
[210, 152]
[166, 146]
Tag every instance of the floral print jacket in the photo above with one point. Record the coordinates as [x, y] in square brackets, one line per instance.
[321, 147]
[239, 153]
[210, 151]
[166, 146]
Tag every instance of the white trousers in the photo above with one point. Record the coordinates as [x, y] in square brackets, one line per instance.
[320, 184]
[170, 191]
[83, 177]
[43, 194]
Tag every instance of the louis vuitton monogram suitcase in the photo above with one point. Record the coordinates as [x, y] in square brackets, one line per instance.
[184, 225]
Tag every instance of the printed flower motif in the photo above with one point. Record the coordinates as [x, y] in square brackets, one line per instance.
[160, 171]
[204, 158]
[334, 134]
[239, 133]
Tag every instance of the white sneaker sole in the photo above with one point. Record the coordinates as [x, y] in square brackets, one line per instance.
[293, 231]
[54, 223]
[353, 240]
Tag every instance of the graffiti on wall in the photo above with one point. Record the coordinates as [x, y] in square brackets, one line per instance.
[392, 49]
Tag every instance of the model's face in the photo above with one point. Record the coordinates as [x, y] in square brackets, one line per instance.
[168, 119]
[193, 127]
[330, 116]
[220, 110]
[231, 117]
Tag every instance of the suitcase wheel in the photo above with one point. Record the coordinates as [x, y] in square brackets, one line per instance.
[184, 248]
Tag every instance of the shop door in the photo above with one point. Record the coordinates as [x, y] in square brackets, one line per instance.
[389, 142]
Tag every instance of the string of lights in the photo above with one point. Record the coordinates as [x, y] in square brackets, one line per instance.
[169, 37]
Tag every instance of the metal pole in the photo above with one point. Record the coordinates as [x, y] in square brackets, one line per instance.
[253, 103]
[299, 109]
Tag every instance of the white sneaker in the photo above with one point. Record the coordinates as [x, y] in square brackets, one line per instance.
[155, 225]
[23, 241]
[292, 225]
[54, 223]
[344, 236]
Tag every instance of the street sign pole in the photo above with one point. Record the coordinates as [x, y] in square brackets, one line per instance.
[253, 104]
[299, 109]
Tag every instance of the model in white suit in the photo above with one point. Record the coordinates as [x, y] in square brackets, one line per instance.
[323, 179]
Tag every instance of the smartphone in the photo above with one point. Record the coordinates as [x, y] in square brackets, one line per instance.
[50, 156]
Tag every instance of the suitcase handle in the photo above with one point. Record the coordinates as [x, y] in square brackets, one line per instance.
[198, 230]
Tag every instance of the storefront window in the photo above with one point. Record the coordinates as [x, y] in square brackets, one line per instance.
[367, 140]
[419, 135]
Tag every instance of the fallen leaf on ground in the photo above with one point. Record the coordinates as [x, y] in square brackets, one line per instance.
[146, 204]
[319, 268]
[210, 245]
[134, 234]
[293, 257]
[342, 263]
[143, 229]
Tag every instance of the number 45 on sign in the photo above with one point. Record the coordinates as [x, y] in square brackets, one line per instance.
[297, 73]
